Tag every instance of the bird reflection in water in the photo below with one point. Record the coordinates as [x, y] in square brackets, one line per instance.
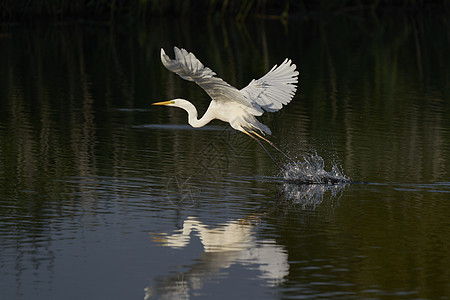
[232, 243]
[305, 184]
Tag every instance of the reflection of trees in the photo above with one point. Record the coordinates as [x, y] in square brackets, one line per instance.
[391, 114]
[378, 237]
[361, 88]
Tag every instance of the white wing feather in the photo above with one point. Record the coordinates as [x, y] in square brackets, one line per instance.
[275, 89]
[188, 67]
[270, 92]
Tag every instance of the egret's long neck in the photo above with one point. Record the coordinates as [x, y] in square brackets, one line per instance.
[192, 116]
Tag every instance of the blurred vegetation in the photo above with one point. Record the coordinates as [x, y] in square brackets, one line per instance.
[142, 10]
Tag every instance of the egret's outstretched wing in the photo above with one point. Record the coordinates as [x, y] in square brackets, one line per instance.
[275, 89]
[188, 67]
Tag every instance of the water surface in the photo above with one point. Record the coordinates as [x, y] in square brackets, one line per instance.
[103, 196]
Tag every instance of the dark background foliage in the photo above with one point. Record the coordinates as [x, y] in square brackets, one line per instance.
[142, 10]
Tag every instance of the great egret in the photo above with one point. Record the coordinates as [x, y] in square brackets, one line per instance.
[237, 107]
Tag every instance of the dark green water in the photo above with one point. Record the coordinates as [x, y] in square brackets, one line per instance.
[103, 196]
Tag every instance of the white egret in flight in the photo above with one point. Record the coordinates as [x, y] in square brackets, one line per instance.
[237, 107]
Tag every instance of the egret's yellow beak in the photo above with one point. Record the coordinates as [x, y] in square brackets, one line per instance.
[163, 103]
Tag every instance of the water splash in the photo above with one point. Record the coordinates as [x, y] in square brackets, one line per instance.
[306, 182]
[312, 171]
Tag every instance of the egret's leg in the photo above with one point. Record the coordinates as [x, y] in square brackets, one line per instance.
[259, 142]
[273, 145]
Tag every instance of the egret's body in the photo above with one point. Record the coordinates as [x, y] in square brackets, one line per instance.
[239, 108]
[230, 112]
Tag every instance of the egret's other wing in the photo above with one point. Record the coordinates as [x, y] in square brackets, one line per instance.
[188, 67]
[274, 89]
